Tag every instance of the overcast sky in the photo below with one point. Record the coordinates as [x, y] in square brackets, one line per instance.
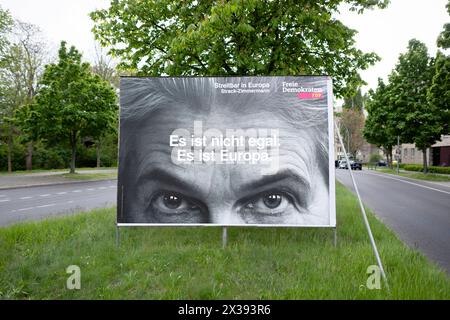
[385, 32]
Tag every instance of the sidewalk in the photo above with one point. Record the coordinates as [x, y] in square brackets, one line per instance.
[16, 180]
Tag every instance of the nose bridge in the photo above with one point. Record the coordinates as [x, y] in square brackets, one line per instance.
[221, 197]
[223, 213]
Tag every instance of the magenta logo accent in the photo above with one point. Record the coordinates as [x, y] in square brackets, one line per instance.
[309, 95]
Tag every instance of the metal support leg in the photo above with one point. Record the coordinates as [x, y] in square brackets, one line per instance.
[117, 236]
[363, 211]
[224, 237]
[335, 236]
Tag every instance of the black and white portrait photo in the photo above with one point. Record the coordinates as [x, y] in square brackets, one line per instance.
[226, 151]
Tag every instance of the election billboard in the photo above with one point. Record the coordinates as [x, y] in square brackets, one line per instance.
[226, 151]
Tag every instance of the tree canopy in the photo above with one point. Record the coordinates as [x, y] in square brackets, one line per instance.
[376, 129]
[251, 37]
[72, 103]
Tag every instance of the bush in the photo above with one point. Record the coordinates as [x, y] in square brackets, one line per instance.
[374, 157]
[431, 169]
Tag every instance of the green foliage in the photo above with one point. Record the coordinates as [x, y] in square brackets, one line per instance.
[374, 158]
[355, 101]
[252, 37]
[376, 129]
[72, 103]
[431, 169]
[412, 118]
[439, 92]
[6, 23]
[444, 38]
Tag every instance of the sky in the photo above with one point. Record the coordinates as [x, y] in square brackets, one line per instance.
[385, 32]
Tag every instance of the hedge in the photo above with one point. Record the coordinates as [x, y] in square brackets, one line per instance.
[431, 169]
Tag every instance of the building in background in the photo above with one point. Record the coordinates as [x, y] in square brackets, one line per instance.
[437, 155]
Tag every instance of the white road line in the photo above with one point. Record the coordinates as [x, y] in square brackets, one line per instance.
[62, 193]
[401, 180]
[44, 195]
[6, 200]
[25, 209]
[90, 189]
[24, 198]
[102, 188]
[71, 201]
[47, 205]
[76, 191]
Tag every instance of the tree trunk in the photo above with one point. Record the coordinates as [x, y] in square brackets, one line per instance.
[73, 145]
[425, 164]
[10, 151]
[29, 158]
[98, 154]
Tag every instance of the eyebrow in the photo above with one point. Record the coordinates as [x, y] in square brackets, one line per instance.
[286, 174]
[167, 178]
[159, 174]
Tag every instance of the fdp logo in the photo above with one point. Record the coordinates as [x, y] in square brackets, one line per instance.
[310, 93]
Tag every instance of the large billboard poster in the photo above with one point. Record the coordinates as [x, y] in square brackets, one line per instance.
[224, 151]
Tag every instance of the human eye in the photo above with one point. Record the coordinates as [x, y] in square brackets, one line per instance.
[174, 207]
[269, 207]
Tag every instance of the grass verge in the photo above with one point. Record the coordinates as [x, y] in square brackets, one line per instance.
[418, 175]
[187, 263]
[53, 170]
[90, 176]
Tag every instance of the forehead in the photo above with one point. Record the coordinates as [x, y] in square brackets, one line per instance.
[150, 140]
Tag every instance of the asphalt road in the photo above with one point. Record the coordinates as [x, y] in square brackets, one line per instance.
[418, 211]
[33, 203]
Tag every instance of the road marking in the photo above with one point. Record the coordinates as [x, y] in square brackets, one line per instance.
[102, 188]
[76, 191]
[44, 195]
[47, 205]
[90, 189]
[6, 200]
[71, 201]
[62, 193]
[401, 180]
[25, 209]
[24, 198]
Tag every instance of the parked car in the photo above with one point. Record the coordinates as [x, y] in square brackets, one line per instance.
[356, 165]
[381, 163]
[342, 164]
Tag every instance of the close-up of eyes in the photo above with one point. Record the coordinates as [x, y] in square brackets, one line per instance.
[170, 207]
[269, 204]
[174, 207]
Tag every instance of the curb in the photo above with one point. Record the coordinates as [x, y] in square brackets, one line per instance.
[52, 184]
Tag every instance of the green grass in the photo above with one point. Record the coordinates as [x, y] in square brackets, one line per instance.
[189, 263]
[90, 176]
[418, 175]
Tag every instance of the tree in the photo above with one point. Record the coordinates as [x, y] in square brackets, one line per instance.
[355, 101]
[6, 23]
[412, 118]
[105, 69]
[253, 37]
[29, 38]
[352, 123]
[378, 128]
[439, 92]
[72, 103]
[19, 75]
[444, 38]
